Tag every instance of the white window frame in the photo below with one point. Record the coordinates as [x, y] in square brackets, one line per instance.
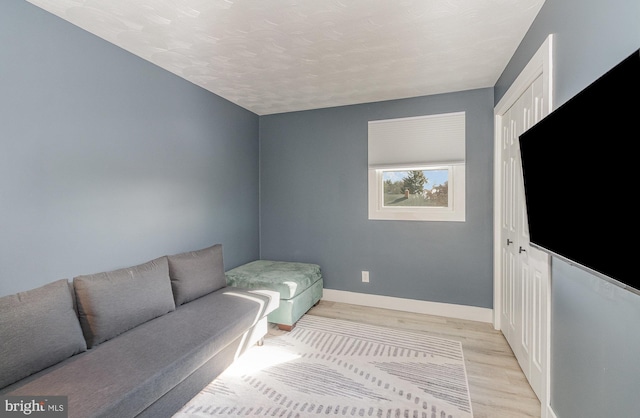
[435, 144]
[455, 211]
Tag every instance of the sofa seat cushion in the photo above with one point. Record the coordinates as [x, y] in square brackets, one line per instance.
[39, 329]
[288, 278]
[123, 376]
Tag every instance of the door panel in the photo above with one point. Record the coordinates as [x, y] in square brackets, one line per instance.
[539, 279]
[508, 230]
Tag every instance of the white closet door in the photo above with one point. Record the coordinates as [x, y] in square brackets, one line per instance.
[525, 270]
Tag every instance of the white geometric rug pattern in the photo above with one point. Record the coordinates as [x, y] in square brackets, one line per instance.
[335, 368]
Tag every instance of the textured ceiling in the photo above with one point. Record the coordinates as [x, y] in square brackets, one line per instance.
[274, 56]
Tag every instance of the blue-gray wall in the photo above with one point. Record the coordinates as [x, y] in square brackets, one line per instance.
[107, 160]
[313, 196]
[595, 327]
[596, 343]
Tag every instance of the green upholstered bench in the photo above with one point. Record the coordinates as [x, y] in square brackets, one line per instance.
[299, 285]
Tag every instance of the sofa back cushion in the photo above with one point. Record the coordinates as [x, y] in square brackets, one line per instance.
[196, 273]
[111, 303]
[38, 328]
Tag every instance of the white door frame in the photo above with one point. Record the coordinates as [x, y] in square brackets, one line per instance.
[539, 65]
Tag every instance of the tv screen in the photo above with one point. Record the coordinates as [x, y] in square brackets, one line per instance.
[581, 179]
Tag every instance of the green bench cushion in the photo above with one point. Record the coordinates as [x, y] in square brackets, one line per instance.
[287, 278]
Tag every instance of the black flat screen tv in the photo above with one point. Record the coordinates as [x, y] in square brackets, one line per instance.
[581, 178]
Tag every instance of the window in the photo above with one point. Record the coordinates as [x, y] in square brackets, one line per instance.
[416, 188]
[417, 168]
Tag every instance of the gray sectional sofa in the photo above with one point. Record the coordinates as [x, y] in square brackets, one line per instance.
[138, 341]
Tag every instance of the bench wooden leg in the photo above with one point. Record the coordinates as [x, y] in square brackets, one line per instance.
[284, 327]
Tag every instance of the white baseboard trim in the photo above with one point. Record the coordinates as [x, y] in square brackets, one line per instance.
[471, 313]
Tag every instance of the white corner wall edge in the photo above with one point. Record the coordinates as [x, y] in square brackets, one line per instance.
[471, 313]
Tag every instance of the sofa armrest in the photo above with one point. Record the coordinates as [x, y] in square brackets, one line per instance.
[274, 299]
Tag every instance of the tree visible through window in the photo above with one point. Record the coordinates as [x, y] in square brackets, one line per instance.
[416, 188]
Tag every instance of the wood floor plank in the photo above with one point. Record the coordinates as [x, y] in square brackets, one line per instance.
[498, 386]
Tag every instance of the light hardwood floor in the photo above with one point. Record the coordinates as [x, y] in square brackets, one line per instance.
[498, 386]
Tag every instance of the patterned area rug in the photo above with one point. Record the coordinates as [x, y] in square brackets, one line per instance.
[330, 368]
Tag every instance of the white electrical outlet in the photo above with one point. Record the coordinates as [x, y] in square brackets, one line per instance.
[365, 277]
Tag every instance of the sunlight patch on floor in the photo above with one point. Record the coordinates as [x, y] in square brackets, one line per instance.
[259, 358]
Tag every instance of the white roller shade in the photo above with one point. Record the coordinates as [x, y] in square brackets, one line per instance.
[423, 140]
